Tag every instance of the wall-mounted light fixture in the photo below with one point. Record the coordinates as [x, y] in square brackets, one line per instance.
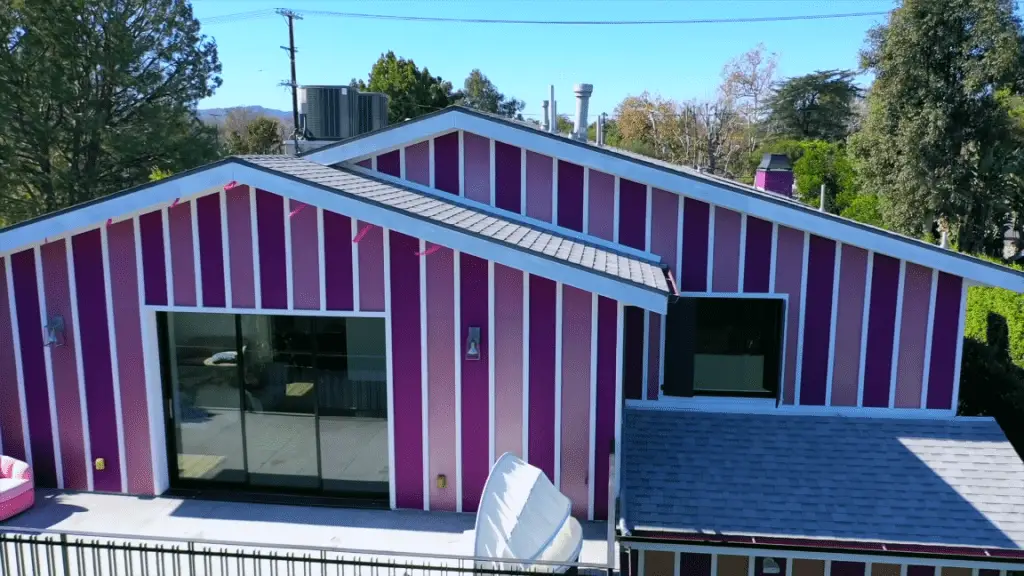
[473, 343]
[771, 566]
[55, 331]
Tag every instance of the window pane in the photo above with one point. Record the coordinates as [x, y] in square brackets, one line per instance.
[207, 400]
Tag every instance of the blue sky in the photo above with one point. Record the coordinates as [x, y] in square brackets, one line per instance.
[677, 61]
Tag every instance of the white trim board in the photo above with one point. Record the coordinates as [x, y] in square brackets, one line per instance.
[216, 176]
[735, 197]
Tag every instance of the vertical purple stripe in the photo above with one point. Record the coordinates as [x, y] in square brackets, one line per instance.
[601, 222]
[337, 261]
[211, 251]
[725, 276]
[840, 568]
[853, 269]
[542, 374]
[821, 267]
[920, 570]
[664, 226]
[508, 360]
[441, 357]
[10, 409]
[653, 336]
[696, 218]
[33, 368]
[243, 282]
[417, 163]
[917, 291]
[405, 362]
[476, 441]
[693, 564]
[390, 163]
[305, 256]
[577, 326]
[99, 379]
[788, 275]
[632, 214]
[757, 260]
[270, 226]
[885, 278]
[183, 264]
[154, 272]
[570, 195]
[604, 435]
[633, 361]
[365, 163]
[124, 290]
[508, 177]
[538, 186]
[446, 163]
[946, 337]
[476, 163]
[371, 268]
[57, 290]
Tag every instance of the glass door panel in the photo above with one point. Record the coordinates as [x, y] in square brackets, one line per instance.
[353, 404]
[206, 397]
[280, 401]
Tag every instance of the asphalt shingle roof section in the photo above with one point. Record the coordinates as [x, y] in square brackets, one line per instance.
[935, 482]
[503, 229]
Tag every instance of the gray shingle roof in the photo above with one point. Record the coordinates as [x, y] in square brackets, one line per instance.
[935, 482]
[503, 229]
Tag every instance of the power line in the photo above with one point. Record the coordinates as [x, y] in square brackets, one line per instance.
[439, 19]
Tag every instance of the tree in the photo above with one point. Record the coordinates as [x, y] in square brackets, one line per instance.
[412, 92]
[95, 95]
[248, 134]
[824, 163]
[747, 83]
[816, 106]
[480, 93]
[936, 145]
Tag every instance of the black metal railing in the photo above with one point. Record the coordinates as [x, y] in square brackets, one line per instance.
[41, 553]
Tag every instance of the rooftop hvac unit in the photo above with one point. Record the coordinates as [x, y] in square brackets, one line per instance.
[338, 112]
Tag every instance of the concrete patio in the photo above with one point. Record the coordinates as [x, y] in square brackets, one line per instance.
[436, 538]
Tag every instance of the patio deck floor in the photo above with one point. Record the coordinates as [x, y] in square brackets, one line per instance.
[404, 532]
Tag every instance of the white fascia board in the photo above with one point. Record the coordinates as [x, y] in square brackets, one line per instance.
[779, 211]
[198, 183]
[384, 140]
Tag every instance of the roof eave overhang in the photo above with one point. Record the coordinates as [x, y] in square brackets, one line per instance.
[719, 193]
[950, 556]
[218, 176]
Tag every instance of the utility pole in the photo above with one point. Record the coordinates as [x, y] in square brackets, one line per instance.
[292, 16]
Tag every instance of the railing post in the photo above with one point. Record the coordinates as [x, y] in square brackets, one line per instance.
[64, 554]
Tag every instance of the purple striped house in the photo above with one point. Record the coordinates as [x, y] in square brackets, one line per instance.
[403, 307]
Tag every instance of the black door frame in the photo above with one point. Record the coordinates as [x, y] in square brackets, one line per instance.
[171, 426]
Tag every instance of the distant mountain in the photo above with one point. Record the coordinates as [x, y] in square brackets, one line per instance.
[217, 115]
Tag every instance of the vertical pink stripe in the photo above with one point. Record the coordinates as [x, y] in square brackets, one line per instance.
[371, 268]
[57, 290]
[665, 227]
[725, 269]
[417, 163]
[243, 283]
[183, 270]
[508, 360]
[441, 348]
[577, 326]
[853, 268]
[477, 167]
[653, 356]
[124, 290]
[917, 290]
[601, 205]
[305, 256]
[10, 409]
[788, 276]
[538, 186]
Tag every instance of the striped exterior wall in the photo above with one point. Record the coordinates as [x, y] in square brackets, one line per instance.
[544, 389]
[670, 563]
[861, 329]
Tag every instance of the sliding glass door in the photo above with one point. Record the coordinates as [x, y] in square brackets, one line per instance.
[291, 403]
